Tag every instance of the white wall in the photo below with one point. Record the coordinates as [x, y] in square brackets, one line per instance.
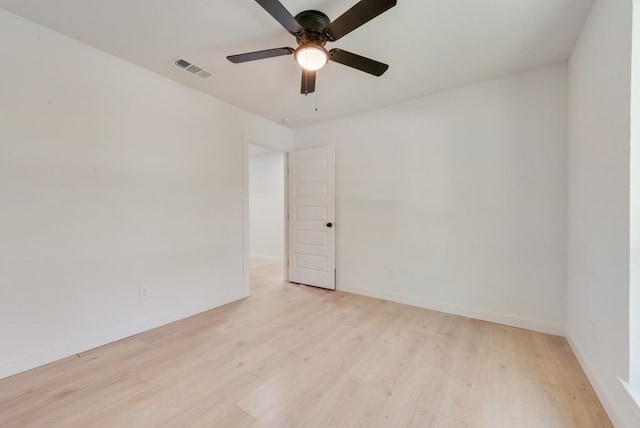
[111, 178]
[598, 207]
[464, 193]
[634, 277]
[266, 187]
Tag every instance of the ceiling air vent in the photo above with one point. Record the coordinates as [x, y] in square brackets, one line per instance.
[190, 67]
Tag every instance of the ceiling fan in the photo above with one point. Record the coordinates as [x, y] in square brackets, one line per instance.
[312, 30]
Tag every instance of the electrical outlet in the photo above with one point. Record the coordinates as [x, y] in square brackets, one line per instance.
[144, 293]
[391, 272]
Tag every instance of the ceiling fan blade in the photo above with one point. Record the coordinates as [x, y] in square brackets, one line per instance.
[252, 56]
[361, 13]
[281, 14]
[358, 62]
[308, 82]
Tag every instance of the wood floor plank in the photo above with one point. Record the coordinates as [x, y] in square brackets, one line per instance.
[296, 356]
[227, 417]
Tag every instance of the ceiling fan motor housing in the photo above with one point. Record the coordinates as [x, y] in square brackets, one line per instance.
[314, 23]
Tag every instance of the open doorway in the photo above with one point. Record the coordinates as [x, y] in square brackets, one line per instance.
[267, 219]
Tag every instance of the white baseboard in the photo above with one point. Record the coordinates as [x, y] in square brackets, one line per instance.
[510, 320]
[610, 404]
[267, 258]
[632, 394]
[66, 350]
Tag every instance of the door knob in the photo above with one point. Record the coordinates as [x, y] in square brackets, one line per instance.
[329, 224]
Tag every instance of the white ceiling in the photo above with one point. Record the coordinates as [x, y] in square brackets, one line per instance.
[430, 45]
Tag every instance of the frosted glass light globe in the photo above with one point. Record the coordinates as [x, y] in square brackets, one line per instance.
[311, 57]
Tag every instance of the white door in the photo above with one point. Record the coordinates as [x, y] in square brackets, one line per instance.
[312, 234]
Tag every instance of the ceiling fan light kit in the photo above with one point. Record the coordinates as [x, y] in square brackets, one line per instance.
[311, 57]
[312, 30]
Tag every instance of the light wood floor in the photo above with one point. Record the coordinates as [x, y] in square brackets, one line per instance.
[300, 356]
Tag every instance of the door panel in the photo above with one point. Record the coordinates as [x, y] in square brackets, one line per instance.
[311, 217]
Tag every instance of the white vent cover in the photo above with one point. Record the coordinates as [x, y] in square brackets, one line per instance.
[188, 66]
